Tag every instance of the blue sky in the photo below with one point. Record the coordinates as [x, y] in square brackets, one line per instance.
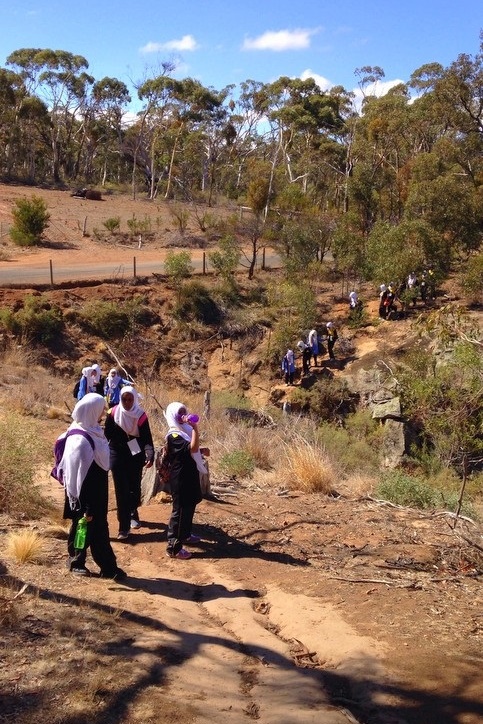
[223, 42]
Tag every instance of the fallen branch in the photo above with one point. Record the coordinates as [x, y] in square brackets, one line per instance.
[381, 581]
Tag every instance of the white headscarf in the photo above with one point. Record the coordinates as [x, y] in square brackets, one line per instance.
[78, 453]
[183, 429]
[97, 370]
[91, 380]
[113, 379]
[128, 419]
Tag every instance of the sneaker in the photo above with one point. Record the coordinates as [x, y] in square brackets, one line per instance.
[80, 571]
[192, 540]
[135, 523]
[122, 535]
[182, 554]
[117, 575]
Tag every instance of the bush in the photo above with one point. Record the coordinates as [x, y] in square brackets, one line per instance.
[19, 453]
[328, 399]
[308, 467]
[237, 464]
[109, 320]
[196, 303]
[403, 489]
[472, 280]
[37, 321]
[112, 224]
[30, 219]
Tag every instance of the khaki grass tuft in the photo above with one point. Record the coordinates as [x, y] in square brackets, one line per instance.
[308, 467]
[25, 546]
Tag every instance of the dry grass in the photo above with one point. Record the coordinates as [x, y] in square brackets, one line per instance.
[307, 467]
[25, 546]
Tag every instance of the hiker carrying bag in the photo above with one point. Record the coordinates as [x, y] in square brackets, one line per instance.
[59, 447]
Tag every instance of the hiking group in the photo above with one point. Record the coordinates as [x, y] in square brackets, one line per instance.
[87, 451]
[309, 351]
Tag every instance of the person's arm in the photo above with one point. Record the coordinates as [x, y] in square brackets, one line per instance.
[82, 388]
[195, 437]
[146, 441]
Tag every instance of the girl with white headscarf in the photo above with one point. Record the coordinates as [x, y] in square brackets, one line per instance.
[186, 460]
[131, 449]
[113, 386]
[88, 381]
[84, 467]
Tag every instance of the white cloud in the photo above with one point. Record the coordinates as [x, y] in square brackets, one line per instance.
[377, 89]
[186, 43]
[323, 83]
[279, 40]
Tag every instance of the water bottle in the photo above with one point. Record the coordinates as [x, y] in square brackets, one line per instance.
[81, 534]
[192, 418]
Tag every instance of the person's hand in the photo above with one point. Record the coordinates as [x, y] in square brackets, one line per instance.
[205, 451]
[88, 517]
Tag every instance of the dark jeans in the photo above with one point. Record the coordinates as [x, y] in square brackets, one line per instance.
[179, 528]
[126, 474]
[98, 542]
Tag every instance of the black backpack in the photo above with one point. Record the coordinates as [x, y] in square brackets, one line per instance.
[75, 391]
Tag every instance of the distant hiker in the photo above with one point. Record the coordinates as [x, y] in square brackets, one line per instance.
[382, 301]
[84, 473]
[288, 367]
[306, 353]
[353, 300]
[131, 449]
[389, 302]
[88, 382]
[332, 338]
[186, 456]
[113, 386]
[313, 342]
[99, 379]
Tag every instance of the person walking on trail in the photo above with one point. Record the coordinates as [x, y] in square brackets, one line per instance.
[131, 450]
[306, 353]
[288, 367]
[382, 301]
[113, 386]
[313, 342]
[88, 381]
[332, 338]
[83, 469]
[186, 458]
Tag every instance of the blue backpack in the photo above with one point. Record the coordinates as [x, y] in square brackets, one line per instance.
[59, 447]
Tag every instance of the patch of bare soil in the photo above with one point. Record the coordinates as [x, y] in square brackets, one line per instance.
[295, 608]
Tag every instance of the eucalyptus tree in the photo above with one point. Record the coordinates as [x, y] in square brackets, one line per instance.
[193, 109]
[60, 80]
[142, 140]
[109, 99]
[299, 113]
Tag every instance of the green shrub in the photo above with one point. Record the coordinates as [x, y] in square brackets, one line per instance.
[37, 321]
[177, 266]
[136, 226]
[181, 217]
[112, 224]
[472, 280]
[30, 219]
[237, 464]
[19, 456]
[196, 303]
[403, 489]
[328, 399]
[110, 320]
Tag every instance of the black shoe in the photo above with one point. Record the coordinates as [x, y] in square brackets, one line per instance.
[116, 575]
[80, 571]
